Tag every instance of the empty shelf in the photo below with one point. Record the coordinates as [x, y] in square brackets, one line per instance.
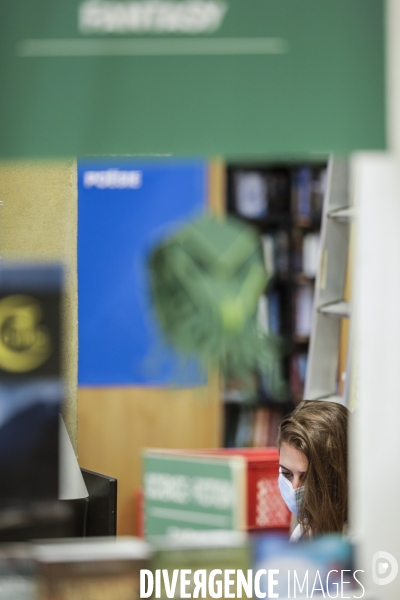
[346, 213]
[336, 309]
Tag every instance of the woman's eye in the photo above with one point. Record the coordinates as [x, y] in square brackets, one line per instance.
[287, 475]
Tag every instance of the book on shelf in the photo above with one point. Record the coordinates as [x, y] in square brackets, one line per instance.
[318, 187]
[275, 419]
[305, 252]
[245, 426]
[274, 312]
[304, 298]
[261, 193]
[266, 425]
[251, 194]
[297, 250]
[301, 192]
[308, 188]
[282, 252]
[276, 252]
[310, 254]
[261, 427]
[271, 312]
[297, 373]
[267, 241]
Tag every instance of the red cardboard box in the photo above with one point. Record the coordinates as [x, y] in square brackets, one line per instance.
[266, 509]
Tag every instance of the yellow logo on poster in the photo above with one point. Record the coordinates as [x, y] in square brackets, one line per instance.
[24, 342]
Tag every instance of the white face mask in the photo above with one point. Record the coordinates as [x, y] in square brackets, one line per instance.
[292, 498]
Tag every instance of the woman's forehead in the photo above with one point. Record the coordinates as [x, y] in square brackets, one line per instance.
[292, 459]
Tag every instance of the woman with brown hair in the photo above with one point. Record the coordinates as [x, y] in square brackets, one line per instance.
[312, 444]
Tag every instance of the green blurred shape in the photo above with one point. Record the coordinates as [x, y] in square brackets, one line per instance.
[206, 280]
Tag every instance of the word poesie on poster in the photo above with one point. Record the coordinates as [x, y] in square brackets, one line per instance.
[112, 179]
[232, 583]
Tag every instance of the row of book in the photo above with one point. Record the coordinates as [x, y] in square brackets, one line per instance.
[272, 316]
[275, 192]
[258, 194]
[308, 189]
[286, 204]
[297, 374]
[252, 417]
[276, 316]
[218, 564]
[306, 251]
[276, 252]
[251, 426]
[303, 310]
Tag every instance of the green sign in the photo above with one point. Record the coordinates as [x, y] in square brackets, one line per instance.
[234, 78]
[184, 493]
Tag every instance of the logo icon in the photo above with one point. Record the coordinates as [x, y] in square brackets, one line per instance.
[384, 568]
[24, 342]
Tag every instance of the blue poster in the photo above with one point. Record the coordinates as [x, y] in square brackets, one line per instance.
[124, 207]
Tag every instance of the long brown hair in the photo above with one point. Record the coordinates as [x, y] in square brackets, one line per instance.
[318, 429]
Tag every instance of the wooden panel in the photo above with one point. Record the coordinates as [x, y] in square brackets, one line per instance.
[115, 424]
[217, 187]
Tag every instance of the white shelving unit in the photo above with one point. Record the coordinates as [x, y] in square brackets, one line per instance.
[329, 304]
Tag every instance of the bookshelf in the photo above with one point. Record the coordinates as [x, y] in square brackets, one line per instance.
[331, 329]
[284, 202]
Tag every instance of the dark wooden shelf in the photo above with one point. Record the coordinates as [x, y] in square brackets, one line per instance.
[302, 279]
[304, 222]
[267, 222]
[286, 284]
[301, 340]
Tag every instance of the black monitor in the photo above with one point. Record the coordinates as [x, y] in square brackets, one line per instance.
[101, 518]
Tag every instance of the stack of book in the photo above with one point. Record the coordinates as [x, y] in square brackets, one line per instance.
[255, 426]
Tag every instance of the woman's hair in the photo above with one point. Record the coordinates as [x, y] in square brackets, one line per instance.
[318, 429]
